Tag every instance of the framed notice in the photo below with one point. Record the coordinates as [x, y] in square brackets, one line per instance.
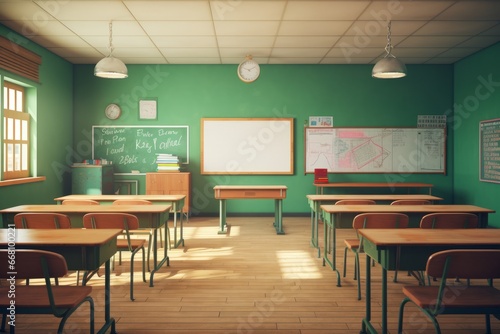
[148, 109]
[321, 121]
[489, 150]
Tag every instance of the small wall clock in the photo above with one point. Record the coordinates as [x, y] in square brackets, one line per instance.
[113, 111]
[248, 70]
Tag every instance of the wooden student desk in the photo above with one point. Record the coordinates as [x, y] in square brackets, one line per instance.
[83, 250]
[415, 247]
[315, 201]
[409, 185]
[150, 216]
[278, 193]
[331, 215]
[176, 201]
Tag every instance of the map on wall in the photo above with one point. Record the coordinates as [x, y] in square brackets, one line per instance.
[375, 150]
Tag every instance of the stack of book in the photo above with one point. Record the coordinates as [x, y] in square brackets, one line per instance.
[168, 163]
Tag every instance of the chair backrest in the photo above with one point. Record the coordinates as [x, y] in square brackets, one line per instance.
[42, 220]
[411, 202]
[124, 221]
[79, 202]
[355, 202]
[380, 220]
[449, 220]
[31, 263]
[132, 202]
[465, 263]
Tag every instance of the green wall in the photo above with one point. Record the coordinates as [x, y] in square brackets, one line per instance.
[477, 98]
[187, 93]
[53, 124]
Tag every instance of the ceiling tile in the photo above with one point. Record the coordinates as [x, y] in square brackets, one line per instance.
[247, 10]
[190, 52]
[303, 41]
[246, 28]
[450, 28]
[184, 41]
[472, 10]
[76, 10]
[169, 10]
[324, 10]
[245, 41]
[383, 11]
[178, 28]
[432, 41]
[313, 28]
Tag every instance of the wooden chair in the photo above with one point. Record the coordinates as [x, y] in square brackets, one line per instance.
[466, 299]
[79, 202]
[449, 220]
[371, 220]
[353, 243]
[148, 231]
[60, 301]
[127, 223]
[42, 220]
[411, 202]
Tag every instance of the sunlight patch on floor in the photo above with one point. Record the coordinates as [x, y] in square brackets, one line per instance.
[298, 264]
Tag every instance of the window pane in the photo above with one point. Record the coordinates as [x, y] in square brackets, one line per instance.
[24, 157]
[4, 129]
[19, 101]
[5, 97]
[10, 157]
[17, 157]
[17, 129]
[10, 128]
[12, 99]
[24, 126]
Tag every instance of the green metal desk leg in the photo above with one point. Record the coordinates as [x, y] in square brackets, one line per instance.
[278, 216]
[165, 259]
[108, 321]
[222, 217]
[329, 227]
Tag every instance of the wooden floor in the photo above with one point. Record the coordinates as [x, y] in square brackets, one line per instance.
[248, 281]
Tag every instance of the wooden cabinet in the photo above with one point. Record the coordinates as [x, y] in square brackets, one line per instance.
[170, 184]
[92, 180]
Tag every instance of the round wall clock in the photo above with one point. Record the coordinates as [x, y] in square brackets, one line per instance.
[248, 70]
[113, 111]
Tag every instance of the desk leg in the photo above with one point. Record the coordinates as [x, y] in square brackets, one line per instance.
[222, 217]
[278, 216]
[329, 228]
[483, 219]
[108, 321]
[181, 238]
[366, 321]
[157, 265]
[314, 226]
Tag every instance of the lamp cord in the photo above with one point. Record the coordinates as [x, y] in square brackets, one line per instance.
[388, 47]
[110, 38]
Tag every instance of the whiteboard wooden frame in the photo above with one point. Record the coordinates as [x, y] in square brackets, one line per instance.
[247, 146]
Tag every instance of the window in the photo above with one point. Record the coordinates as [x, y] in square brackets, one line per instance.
[16, 144]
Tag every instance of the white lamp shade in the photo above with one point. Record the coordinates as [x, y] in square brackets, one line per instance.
[111, 68]
[389, 67]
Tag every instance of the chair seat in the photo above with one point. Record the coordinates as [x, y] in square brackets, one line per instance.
[351, 243]
[122, 244]
[35, 296]
[468, 298]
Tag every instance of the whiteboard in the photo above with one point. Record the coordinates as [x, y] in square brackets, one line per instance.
[247, 146]
[375, 150]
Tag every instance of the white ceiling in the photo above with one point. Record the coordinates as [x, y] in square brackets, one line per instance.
[273, 31]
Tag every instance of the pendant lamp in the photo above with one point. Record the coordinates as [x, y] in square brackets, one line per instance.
[111, 67]
[389, 67]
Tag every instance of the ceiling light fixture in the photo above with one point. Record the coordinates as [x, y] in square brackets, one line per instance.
[111, 67]
[389, 67]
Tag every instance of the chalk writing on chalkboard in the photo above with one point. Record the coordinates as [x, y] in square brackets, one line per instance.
[489, 146]
[135, 147]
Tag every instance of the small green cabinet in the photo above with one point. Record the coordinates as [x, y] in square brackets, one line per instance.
[92, 180]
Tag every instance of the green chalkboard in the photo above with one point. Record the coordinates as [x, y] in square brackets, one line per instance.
[135, 147]
[489, 150]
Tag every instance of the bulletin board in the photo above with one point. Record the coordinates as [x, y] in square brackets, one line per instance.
[489, 150]
[247, 146]
[375, 150]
